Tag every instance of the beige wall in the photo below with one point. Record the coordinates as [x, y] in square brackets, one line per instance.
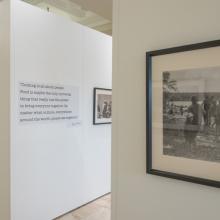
[140, 26]
[4, 110]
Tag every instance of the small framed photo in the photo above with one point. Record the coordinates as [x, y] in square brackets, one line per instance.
[183, 113]
[102, 106]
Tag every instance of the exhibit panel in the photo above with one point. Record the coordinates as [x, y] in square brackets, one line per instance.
[60, 161]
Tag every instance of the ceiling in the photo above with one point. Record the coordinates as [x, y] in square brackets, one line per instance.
[96, 14]
[101, 7]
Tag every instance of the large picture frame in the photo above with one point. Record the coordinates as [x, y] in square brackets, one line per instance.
[102, 106]
[183, 113]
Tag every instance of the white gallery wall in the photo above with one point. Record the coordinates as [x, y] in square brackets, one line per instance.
[56, 167]
[140, 26]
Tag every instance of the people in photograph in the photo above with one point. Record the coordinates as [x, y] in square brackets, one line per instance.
[109, 110]
[181, 110]
[213, 105]
[171, 110]
[206, 108]
[98, 111]
[193, 122]
[104, 109]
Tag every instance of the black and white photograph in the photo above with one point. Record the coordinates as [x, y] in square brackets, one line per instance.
[183, 113]
[102, 106]
[191, 113]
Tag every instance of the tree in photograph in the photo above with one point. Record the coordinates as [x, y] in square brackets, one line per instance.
[169, 86]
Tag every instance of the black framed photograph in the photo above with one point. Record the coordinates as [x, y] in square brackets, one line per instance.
[102, 106]
[183, 113]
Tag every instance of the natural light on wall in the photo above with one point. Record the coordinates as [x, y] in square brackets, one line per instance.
[76, 13]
